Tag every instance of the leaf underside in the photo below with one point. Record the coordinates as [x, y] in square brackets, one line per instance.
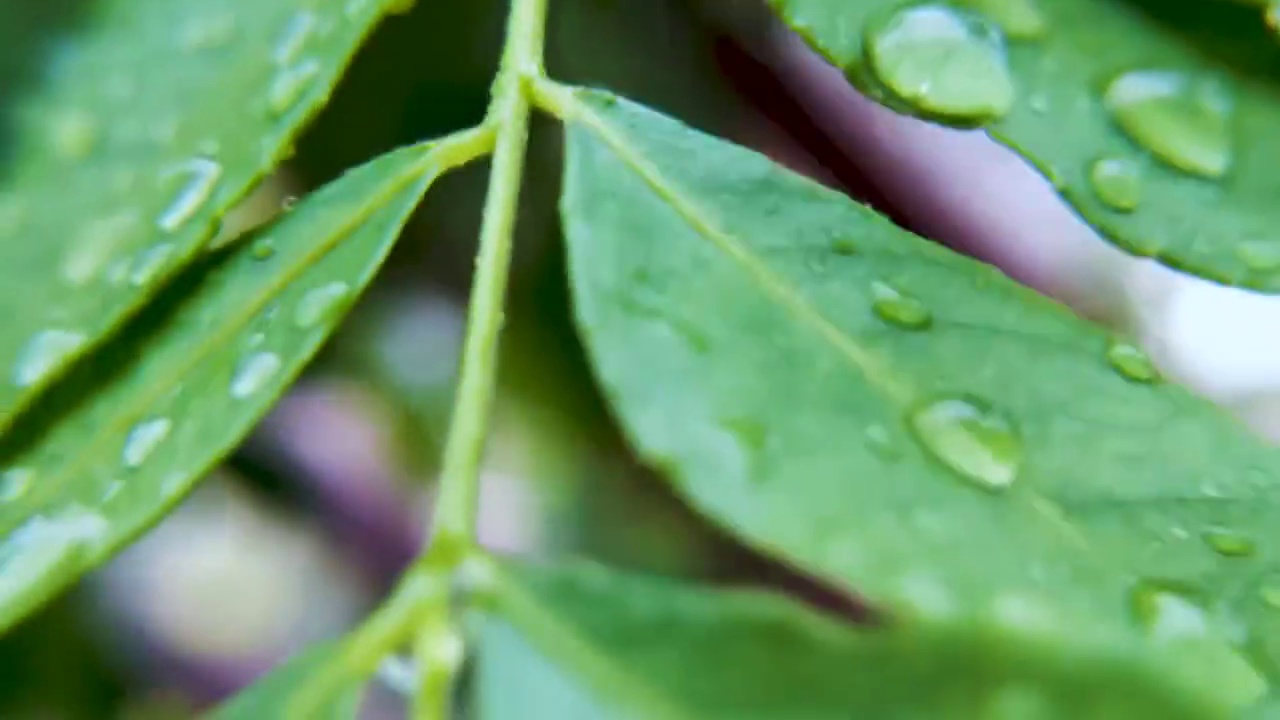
[151, 119]
[127, 434]
[585, 642]
[749, 296]
[1224, 229]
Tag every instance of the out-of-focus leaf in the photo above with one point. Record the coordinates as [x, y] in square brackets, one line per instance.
[584, 642]
[276, 696]
[902, 421]
[1156, 120]
[125, 436]
[150, 120]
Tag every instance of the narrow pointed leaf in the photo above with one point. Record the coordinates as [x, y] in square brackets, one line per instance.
[1156, 120]
[903, 421]
[126, 435]
[150, 121]
[585, 642]
[282, 692]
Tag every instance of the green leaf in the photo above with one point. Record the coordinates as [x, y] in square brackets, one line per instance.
[124, 437]
[277, 694]
[1156, 120]
[903, 421]
[152, 119]
[585, 642]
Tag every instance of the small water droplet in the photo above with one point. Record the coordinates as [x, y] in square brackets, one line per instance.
[1117, 183]
[844, 246]
[320, 303]
[899, 309]
[143, 440]
[1167, 611]
[971, 438]
[1184, 121]
[1038, 102]
[289, 86]
[45, 352]
[207, 33]
[198, 178]
[1132, 363]
[150, 262]
[944, 62]
[1020, 19]
[254, 373]
[1261, 256]
[15, 482]
[1270, 595]
[294, 37]
[263, 249]
[881, 442]
[95, 244]
[113, 489]
[42, 545]
[1229, 543]
[73, 134]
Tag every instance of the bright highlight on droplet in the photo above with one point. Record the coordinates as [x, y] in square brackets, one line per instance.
[972, 439]
[1183, 120]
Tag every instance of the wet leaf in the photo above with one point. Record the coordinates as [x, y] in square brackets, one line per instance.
[994, 463]
[277, 694]
[585, 642]
[1182, 96]
[148, 121]
[124, 436]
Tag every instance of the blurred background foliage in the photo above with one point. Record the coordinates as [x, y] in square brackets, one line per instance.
[302, 531]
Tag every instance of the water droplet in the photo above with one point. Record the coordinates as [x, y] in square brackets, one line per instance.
[95, 244]
[199, 176]
[1182, 120]
[263, 249]
[207, 33]
[290, 84]
[1262, 256]
[943, 62]
[1020, 19]
[113, 489]
[44, 353]
[1038, 102]
[143, 440]
[1229, 543]
[899, 309]
[1117, 183]
[73, 134]
[320, 303]
[1270, 595]
[150, 262]
[254, 373]
[1167, 611]
[42, 545]
[881, 442]
[972, 439]
[294, 37]
[15, 482]
[844, 246]
[1132, 363]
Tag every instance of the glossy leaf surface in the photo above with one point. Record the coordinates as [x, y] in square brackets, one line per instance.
[125, 436]
[150, 119]
[584, 642]
[1182, 97]
[902, 421]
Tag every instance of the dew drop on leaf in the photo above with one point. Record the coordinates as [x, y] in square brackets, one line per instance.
[1132, 363]
[197, 179]
[971, 438]
[41, 545]
[943, 62]
[899, 309]
[1167, 611]
[263, 249]
[207, 33]
[254, 373]
[15, 482]
[143, 440]
[149, 264]
[881, 442]
[289, 86]
[1259, 255]
[294, 37]
[1182, 120]
[1270, 596]
[44, 352]
[319, 303]
[1117, 183]
[1229, 543]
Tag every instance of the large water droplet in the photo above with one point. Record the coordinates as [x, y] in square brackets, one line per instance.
[294, 37]
[289, 86]
[1229, 543]
[73, 134]
[95, 244]
[41, 546]
[46, 351]
[971, 438]
[943, 62]
[198, 177]
[1117, 183]
[1020, 19]
[899, 309]
[1132, 363]
[254, 373]
[263, 249]
[320, 303]
[143, 440]
[1167, 611]
[15, 482]
[150, 262]
[1184, 121]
